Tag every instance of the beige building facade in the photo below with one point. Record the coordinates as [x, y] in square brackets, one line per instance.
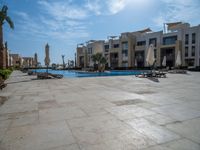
[27, 62]
[130, 49]
[15, 60]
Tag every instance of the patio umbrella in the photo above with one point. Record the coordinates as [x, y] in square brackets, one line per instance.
[47, 59]
[35, 59]
[150, 59]
[136, 63]
[164, 62]
[178, 59]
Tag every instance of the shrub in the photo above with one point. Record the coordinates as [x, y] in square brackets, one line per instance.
[4, 73]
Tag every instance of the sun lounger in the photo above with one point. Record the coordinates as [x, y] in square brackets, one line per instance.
[156, 74]
[57, 76]
[49, 76]
[178, 71]
[160, 74]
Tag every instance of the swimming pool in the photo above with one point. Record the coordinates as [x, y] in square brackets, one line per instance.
[74, 74]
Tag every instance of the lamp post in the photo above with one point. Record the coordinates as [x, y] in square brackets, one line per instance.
[63, 58]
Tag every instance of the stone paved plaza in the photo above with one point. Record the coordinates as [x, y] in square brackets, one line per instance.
[105, 113]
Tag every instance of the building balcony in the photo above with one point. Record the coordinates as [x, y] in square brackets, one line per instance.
[140, 48]
[124, 58]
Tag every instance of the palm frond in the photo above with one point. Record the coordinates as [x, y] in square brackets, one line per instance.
[4, 9]
[10, 22]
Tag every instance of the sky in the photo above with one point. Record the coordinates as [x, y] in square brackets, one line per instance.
[65, 23]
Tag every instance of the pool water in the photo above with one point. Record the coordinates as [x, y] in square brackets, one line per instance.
[74, 74]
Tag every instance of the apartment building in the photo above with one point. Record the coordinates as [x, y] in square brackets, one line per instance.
[15, 60]
[130, 48]
[27, 62]
[84, 53]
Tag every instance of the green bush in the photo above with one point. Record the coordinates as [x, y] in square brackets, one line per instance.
[4, 73]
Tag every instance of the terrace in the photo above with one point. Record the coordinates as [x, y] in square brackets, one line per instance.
[101, 113]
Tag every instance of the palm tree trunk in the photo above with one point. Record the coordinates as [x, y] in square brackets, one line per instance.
[1, 37]
[2, 55]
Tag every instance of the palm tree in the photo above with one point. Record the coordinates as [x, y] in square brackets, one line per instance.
[99, 60]
[4, 18]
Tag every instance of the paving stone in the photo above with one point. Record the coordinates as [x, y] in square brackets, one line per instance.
[188, 129]
[160, 119]
[61, 113]
[40, 137]
[155, 132]
[99, 114]
[128, 112]
[183, 144]
[26, 118]
[19, 107]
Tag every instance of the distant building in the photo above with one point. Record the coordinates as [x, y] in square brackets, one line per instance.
[27, 62]
[130, 48]
[15, 60]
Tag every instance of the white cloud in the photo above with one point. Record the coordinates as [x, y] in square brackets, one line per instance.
[178, 10]
[116, 6]
[63, 10]
[48, 27]
[94, 6]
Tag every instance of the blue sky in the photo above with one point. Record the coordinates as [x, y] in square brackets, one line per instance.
[64, 23]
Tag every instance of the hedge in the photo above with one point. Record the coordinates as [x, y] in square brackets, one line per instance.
[4, 73]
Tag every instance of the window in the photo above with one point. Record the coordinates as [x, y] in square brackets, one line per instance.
[141, 43]
[153, 41]
[155, 53]
[124, 64]
[116, 45]
[186, 51]
[89, 50]
[106, 47]
[186, 39]
[193, 38]
[193, 50]
[125, 53]
[124, 45]
[169, 40]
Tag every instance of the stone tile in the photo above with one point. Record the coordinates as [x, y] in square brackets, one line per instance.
[18, 108]
[157, 148]
[61, 113]
[66, 147]
[129, 112]
[40, 137]
[104, 131]
[47, 104]
[188, 129]
[159, 119]
[182, 144]
[26, 118]
[178, 112]
[96, 123]
[155, 132]
[117, 96]
[4, 125]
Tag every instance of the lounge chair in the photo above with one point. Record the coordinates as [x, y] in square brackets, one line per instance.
[49, 76]
[43, 76]
[160, 74]
[58, 76]
[156, 74]
[177, 71]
